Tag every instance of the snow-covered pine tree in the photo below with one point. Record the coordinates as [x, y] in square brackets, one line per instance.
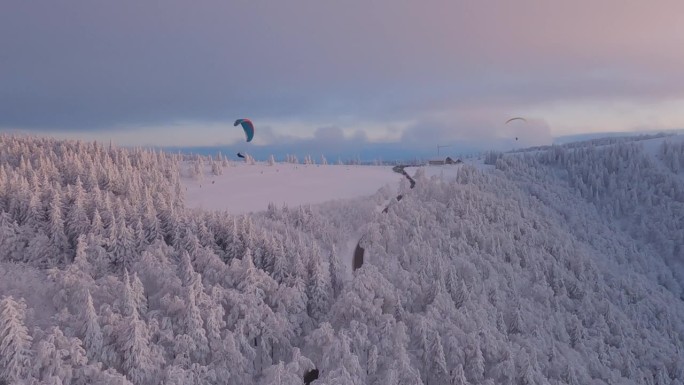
[15, 341]
[10, 242]
[58, 238]
[438, 367]
[77, 222]
[336, 272]
[59, 358]
[278, 375]
[137, 359]
[138, 294]
[318, 289]
[458, 376]
[90, 331]
[474, 364]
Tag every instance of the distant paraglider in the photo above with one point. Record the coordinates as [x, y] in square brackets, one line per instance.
[247, 126]
[516, 118]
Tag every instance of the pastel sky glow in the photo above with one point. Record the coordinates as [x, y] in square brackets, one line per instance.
[340, 74]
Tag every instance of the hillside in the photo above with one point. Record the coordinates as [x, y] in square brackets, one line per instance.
[560, 265]
[241, 188]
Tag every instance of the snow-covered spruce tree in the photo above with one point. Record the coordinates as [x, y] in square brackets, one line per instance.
[77, 222]
[216, 168]
[318, 289]
[91, 332]
[11, 248]
[15, 341]
[278, 375]
[60, 359]
[58, 238]
[438, 366]
[197, 170]
[138, 360]
[336, 272]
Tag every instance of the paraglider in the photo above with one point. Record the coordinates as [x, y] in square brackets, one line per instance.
[516, 118]
[247, 126]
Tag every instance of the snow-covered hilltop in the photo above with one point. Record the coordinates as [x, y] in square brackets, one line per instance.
[240, 188]
[559, 265]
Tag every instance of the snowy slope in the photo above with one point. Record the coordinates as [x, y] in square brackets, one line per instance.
[560, 265]
[652, 148]
[247, 188]
[564, 266]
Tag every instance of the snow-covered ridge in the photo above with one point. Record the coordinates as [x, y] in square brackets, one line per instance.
[558, 266]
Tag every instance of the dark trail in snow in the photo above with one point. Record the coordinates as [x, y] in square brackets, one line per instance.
[358, 256]
[400, 169]
[311, 376]
[359, 251]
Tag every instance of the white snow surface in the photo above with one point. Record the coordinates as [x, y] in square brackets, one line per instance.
[559, 265]
[245, 188]
[652, 146]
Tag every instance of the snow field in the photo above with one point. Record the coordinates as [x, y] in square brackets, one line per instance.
[245, 188]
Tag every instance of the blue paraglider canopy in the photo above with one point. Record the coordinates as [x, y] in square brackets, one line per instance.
[247, 126]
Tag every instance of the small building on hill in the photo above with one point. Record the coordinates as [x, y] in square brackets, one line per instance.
[440, 162]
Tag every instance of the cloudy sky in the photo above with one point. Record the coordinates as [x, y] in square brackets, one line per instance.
[391, 74]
